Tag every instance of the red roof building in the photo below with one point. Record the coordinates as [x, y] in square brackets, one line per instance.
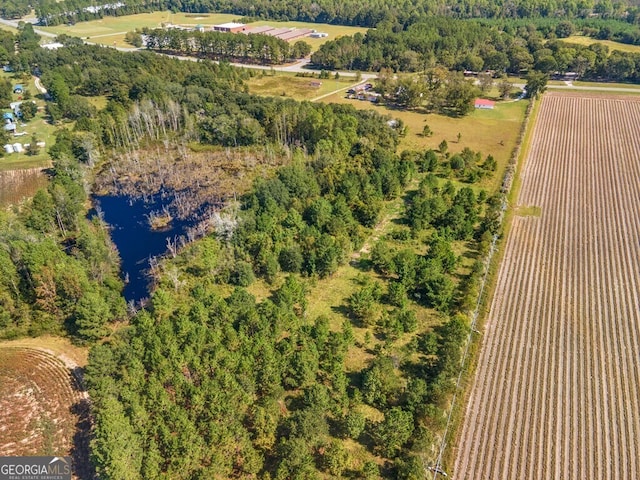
[484, 103]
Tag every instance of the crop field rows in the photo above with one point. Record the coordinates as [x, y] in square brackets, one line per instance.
[557, 389]
[41, 406]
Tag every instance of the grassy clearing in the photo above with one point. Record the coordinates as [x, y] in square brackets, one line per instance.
[328, 295]
[598, 89]
[99, 102]
[492, 132]
[8, 28]
[59, 346]
[20, 161]
[528, 211]
[285, 84]
[111, 30]
[607, 85]
[586, 41]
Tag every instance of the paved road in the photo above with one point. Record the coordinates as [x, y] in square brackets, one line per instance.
[297, 67]
[303, 66]
[14, 24]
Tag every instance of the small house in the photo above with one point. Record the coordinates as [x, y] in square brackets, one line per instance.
[52, 45]
[8, 148]
[17, 147]
[484, 103]
[372, 96]
[10, 127]
[7, 68]
[15, 106]
[18, 89]
[7, 116]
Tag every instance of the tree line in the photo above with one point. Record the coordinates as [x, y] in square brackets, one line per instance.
[474, 46]
[60, 272]
[345, 12]
[262, 49]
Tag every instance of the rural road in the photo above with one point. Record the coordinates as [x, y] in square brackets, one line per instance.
[303, 66]
[588, 88]
[39, 86]
[297, 67]
[14, 24]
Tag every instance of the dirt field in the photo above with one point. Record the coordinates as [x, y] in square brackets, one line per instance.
[557, 391]
[43, 407]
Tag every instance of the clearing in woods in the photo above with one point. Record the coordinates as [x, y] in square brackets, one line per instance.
[44, 409]
[557, 389]
[111, 30]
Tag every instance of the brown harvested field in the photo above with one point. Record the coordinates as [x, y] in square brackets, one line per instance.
[557, 389]
[43, 407]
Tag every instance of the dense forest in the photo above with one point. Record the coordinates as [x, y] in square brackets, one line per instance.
[206, 381]
[208, 385]
[366, 14]
[60, 272]
[476, 46]
[262, 49]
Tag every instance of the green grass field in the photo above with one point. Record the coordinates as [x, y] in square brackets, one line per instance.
[586, 41]
[285, 84]
[607, 85]
[492, 132]
[39, 126]
[111, 30]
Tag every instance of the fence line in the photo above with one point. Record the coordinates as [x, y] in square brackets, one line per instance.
[507, 184]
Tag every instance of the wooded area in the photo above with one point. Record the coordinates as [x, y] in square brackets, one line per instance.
[475, 46]
[207, 380]
[261, 49]
[347, 12]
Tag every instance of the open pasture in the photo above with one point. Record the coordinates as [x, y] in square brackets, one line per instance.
[285, 84]
[492, 132]
[557, 389]
[586, 41]
[111, 30]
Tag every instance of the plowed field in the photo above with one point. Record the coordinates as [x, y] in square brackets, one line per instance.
[557, 390]
[43, 408]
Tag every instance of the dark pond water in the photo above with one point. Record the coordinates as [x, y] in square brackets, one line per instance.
[135, 239]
